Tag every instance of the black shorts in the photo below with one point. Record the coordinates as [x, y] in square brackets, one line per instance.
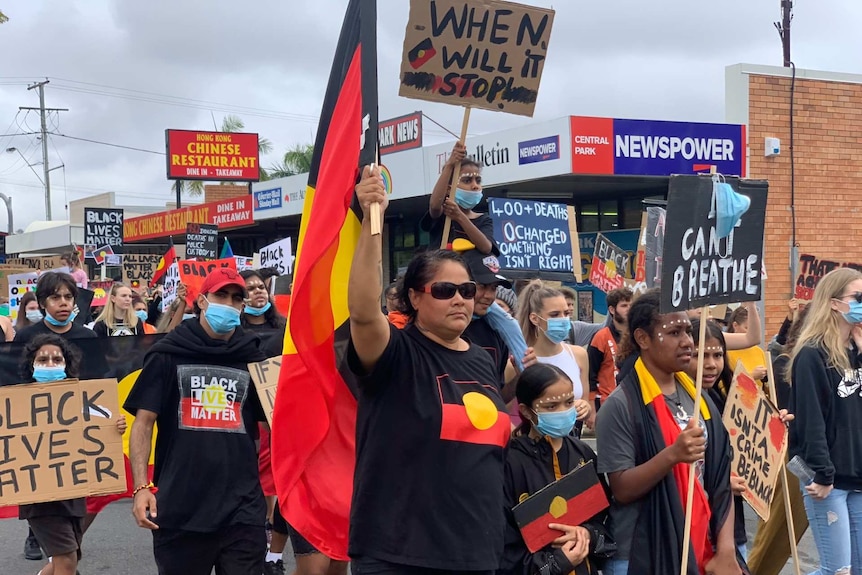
[299, 544]
[369, 566]
[58, 535]
[279, 525]
[233, 550]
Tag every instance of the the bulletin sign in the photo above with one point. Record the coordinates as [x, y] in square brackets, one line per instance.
[104, 227]
[264, 374]
[700, 269]
[201, 241]
[812, 269]
[610, 263]
[218, 156]
[535, 237]
[482, 54]
[60, 441]
[758, 438]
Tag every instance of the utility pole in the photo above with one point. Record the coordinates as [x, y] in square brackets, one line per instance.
[42, 109]
[783, 28]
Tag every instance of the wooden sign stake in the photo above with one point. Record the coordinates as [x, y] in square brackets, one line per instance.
[689, 500]
[456, 176]
[787, 511]
[374, 214]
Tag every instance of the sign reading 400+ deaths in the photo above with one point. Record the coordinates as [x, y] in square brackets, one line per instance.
[533, 235]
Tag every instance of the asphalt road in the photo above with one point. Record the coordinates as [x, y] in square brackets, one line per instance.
[116, 546]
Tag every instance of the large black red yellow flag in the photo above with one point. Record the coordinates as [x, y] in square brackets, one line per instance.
[314, 417]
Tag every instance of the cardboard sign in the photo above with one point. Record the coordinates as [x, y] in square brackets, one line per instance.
[278, 255]
[172, 280]
[104, 227]
[140, 267]
[610, 263]
[42, 263]
[699, 269]
[19, 284]
[193, 274]
[535, 237]
[482, 54]
[812, 269]
[758, 439]
[60, 441]
[201, 241]
[264, 374]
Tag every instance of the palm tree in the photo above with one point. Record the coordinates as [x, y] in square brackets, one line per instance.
[3, 17]
[230, 124]
[297, 160]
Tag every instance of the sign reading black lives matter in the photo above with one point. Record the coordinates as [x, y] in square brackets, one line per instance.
[201, 241]
[700, 269]
[104, 227]
[482, 54]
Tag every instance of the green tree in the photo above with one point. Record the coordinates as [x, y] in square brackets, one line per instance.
[3, 17]
[231, 124]
[297, 160]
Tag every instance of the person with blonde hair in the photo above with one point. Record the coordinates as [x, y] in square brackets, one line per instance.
[118, 316]
[826, 380]
[545, 320]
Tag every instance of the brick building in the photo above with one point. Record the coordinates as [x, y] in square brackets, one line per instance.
[827, 157]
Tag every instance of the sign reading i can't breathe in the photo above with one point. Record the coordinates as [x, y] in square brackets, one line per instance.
[698, 267]
[484, 54]
[534, 235]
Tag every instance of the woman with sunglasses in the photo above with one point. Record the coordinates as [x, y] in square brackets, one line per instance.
[473, 227]
[826, 397]
[431, 424]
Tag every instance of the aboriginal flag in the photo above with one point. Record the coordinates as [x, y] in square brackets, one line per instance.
[314, 417]
[571, 500]
[164, 263]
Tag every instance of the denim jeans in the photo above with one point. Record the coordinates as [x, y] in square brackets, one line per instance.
[836, 523]
[616, 567]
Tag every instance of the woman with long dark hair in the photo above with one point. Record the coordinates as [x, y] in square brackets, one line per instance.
[649, 431]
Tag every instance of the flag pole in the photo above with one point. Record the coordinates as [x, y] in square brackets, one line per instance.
[456, 175]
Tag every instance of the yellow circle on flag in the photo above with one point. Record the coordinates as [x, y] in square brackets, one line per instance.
[558, 507]
[481, 411]
[611, 270]
[213, 398]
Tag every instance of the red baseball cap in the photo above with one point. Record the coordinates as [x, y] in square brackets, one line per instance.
[222, 277]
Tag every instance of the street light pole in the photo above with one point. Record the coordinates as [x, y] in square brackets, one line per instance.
[8, 201]
[29, 165]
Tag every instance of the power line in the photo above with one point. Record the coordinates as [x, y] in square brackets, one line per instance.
[110, 144]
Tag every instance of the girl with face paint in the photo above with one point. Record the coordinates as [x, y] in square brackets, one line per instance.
[470, 227]
[546, 321]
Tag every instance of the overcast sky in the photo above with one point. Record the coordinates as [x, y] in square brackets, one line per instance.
[267, 61]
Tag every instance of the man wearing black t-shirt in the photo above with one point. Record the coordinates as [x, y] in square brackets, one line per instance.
[208, 509]
[56, 294]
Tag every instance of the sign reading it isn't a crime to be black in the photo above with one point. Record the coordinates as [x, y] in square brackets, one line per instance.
[698, 267]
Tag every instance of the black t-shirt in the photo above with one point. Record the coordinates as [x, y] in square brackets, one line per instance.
[28, 333]
[435, 228]
[430, 432]
[482, 334]
[206, 457]
[101, 329]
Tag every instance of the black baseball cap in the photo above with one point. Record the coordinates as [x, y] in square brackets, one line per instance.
[485, 269]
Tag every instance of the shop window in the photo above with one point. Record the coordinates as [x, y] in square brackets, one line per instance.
[599, 216]
[631, 214]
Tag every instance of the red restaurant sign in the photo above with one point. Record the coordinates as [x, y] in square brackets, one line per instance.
[217, 156]
[226, 214]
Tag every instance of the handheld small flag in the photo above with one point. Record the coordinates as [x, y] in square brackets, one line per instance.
[226, 251]
[164, 263]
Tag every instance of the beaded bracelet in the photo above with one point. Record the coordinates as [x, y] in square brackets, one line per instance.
[149, 486]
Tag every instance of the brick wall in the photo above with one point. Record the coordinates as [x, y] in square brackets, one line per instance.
[222, 192]
[828, 150]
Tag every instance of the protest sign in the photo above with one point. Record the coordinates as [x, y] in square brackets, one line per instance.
[101, 255]
[104, 227]
[758, 438]
[201, 241]
[60, 441]
[243, 263]
[610, 263]
[140, 267]
[193, 273]
[264, 374]
[535, 237]
[698, 268]
[812, 269]
[40, 263]
[172, 280]
[278, 255]
[480, 54]
[19, 284]
[650, 246]
[101, 290]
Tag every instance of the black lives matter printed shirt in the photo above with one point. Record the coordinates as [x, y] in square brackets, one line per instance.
[827, 404]
[208, 413]
[430, 433]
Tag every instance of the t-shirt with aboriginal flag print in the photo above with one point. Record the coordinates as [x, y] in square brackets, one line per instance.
[430, 433]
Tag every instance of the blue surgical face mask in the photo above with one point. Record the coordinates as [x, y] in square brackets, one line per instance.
[854, 314]
[45, 374]
[730, 206]
[188, 316]
[55, 322]
[221, 318]
[467, 199]
[556, 423]
[258, 311]
[142, 314]
[34, 315]
[558, 328]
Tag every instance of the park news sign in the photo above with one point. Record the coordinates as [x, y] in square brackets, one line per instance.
[480, 54]
[219, 156]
